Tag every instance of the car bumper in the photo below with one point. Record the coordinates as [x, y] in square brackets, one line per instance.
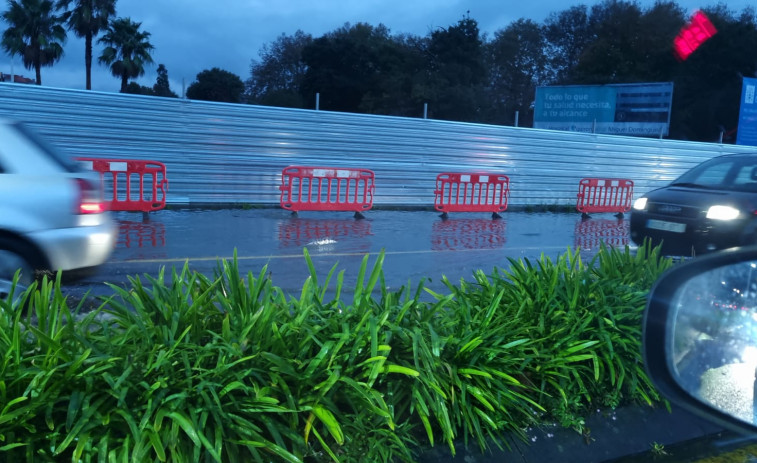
[78, 247]
[687, 236]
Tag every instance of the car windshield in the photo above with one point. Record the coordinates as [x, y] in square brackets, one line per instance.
[725, 173]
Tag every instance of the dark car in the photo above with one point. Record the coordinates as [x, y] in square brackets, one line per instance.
[712, 206]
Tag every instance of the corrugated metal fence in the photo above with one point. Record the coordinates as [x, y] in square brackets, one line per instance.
[220, 153]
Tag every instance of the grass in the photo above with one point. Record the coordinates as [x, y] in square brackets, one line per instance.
[185, 367]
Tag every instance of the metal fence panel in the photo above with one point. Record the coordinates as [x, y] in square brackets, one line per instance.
[218, 153]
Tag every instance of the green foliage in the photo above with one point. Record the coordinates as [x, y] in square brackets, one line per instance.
[346, 66]
[136, 89]
[517, 64]
[457, 76]
[35, 32]
[466, 76]
[186, 367]
[216, 85]
[580, 327]
[127, 50]
[162, 87]
[276, 78]
[86, 18]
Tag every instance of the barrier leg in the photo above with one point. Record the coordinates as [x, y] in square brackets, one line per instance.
[585, 216]
[359, 216]
[444, 216]
[619, 215]
[294, 213]
[496, 216]
[145, 216]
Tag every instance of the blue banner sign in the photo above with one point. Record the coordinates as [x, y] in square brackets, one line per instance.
[627, 109]
[747, 131]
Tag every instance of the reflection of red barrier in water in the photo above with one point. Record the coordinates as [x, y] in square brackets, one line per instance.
[590, 233]
[140, 234]
[300, 232]
[449, 235]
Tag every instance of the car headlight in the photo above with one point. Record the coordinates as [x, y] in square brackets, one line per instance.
[640, 204]
[722, 213]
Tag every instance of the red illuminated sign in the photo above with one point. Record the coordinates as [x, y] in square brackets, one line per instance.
[692, 35]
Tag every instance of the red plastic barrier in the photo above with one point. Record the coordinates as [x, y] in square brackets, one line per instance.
[125, 186]
[604, 195]
[326, 189]
[480, 192]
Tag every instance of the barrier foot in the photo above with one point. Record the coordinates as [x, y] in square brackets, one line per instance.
[585, 216]
[145, 217]
[444, 216]
[496, 216]
[359, 216]
[619, 215]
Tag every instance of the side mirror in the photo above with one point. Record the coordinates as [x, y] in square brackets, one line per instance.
[700, 337]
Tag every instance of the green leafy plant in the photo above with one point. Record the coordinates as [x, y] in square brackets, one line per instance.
[186, 367]
[658, 450]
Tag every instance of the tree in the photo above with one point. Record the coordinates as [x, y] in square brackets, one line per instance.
[134, 88]
[88, 18]
[345, 65]
[216, 85]
[400, 84]
[127, 50]
[613, 54]
[457, 73]
[276, 79]
[567, 34]
[35, 32]
[162, 87]
[708, 84]
[626, 44]
[518, 64]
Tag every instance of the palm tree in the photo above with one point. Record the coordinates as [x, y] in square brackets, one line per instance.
[127, 50]
[35, 32]
[87, 18]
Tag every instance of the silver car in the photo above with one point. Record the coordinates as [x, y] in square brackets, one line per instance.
[52, 214]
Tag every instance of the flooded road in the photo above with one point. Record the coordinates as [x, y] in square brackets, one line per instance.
[417, 244]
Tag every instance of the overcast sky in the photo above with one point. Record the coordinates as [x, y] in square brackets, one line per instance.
[190, 36]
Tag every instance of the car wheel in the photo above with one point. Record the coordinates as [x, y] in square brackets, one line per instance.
[10, 263]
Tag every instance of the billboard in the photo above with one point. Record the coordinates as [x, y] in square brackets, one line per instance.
[747, 131]
[618, 109]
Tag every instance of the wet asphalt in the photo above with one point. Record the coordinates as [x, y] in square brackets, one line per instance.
[417, 244]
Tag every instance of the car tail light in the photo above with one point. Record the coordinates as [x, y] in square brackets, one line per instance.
[90, 200]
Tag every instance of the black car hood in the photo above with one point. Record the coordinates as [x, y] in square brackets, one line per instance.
[702, 197]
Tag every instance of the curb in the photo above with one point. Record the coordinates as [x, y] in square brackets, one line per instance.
[611, 435]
